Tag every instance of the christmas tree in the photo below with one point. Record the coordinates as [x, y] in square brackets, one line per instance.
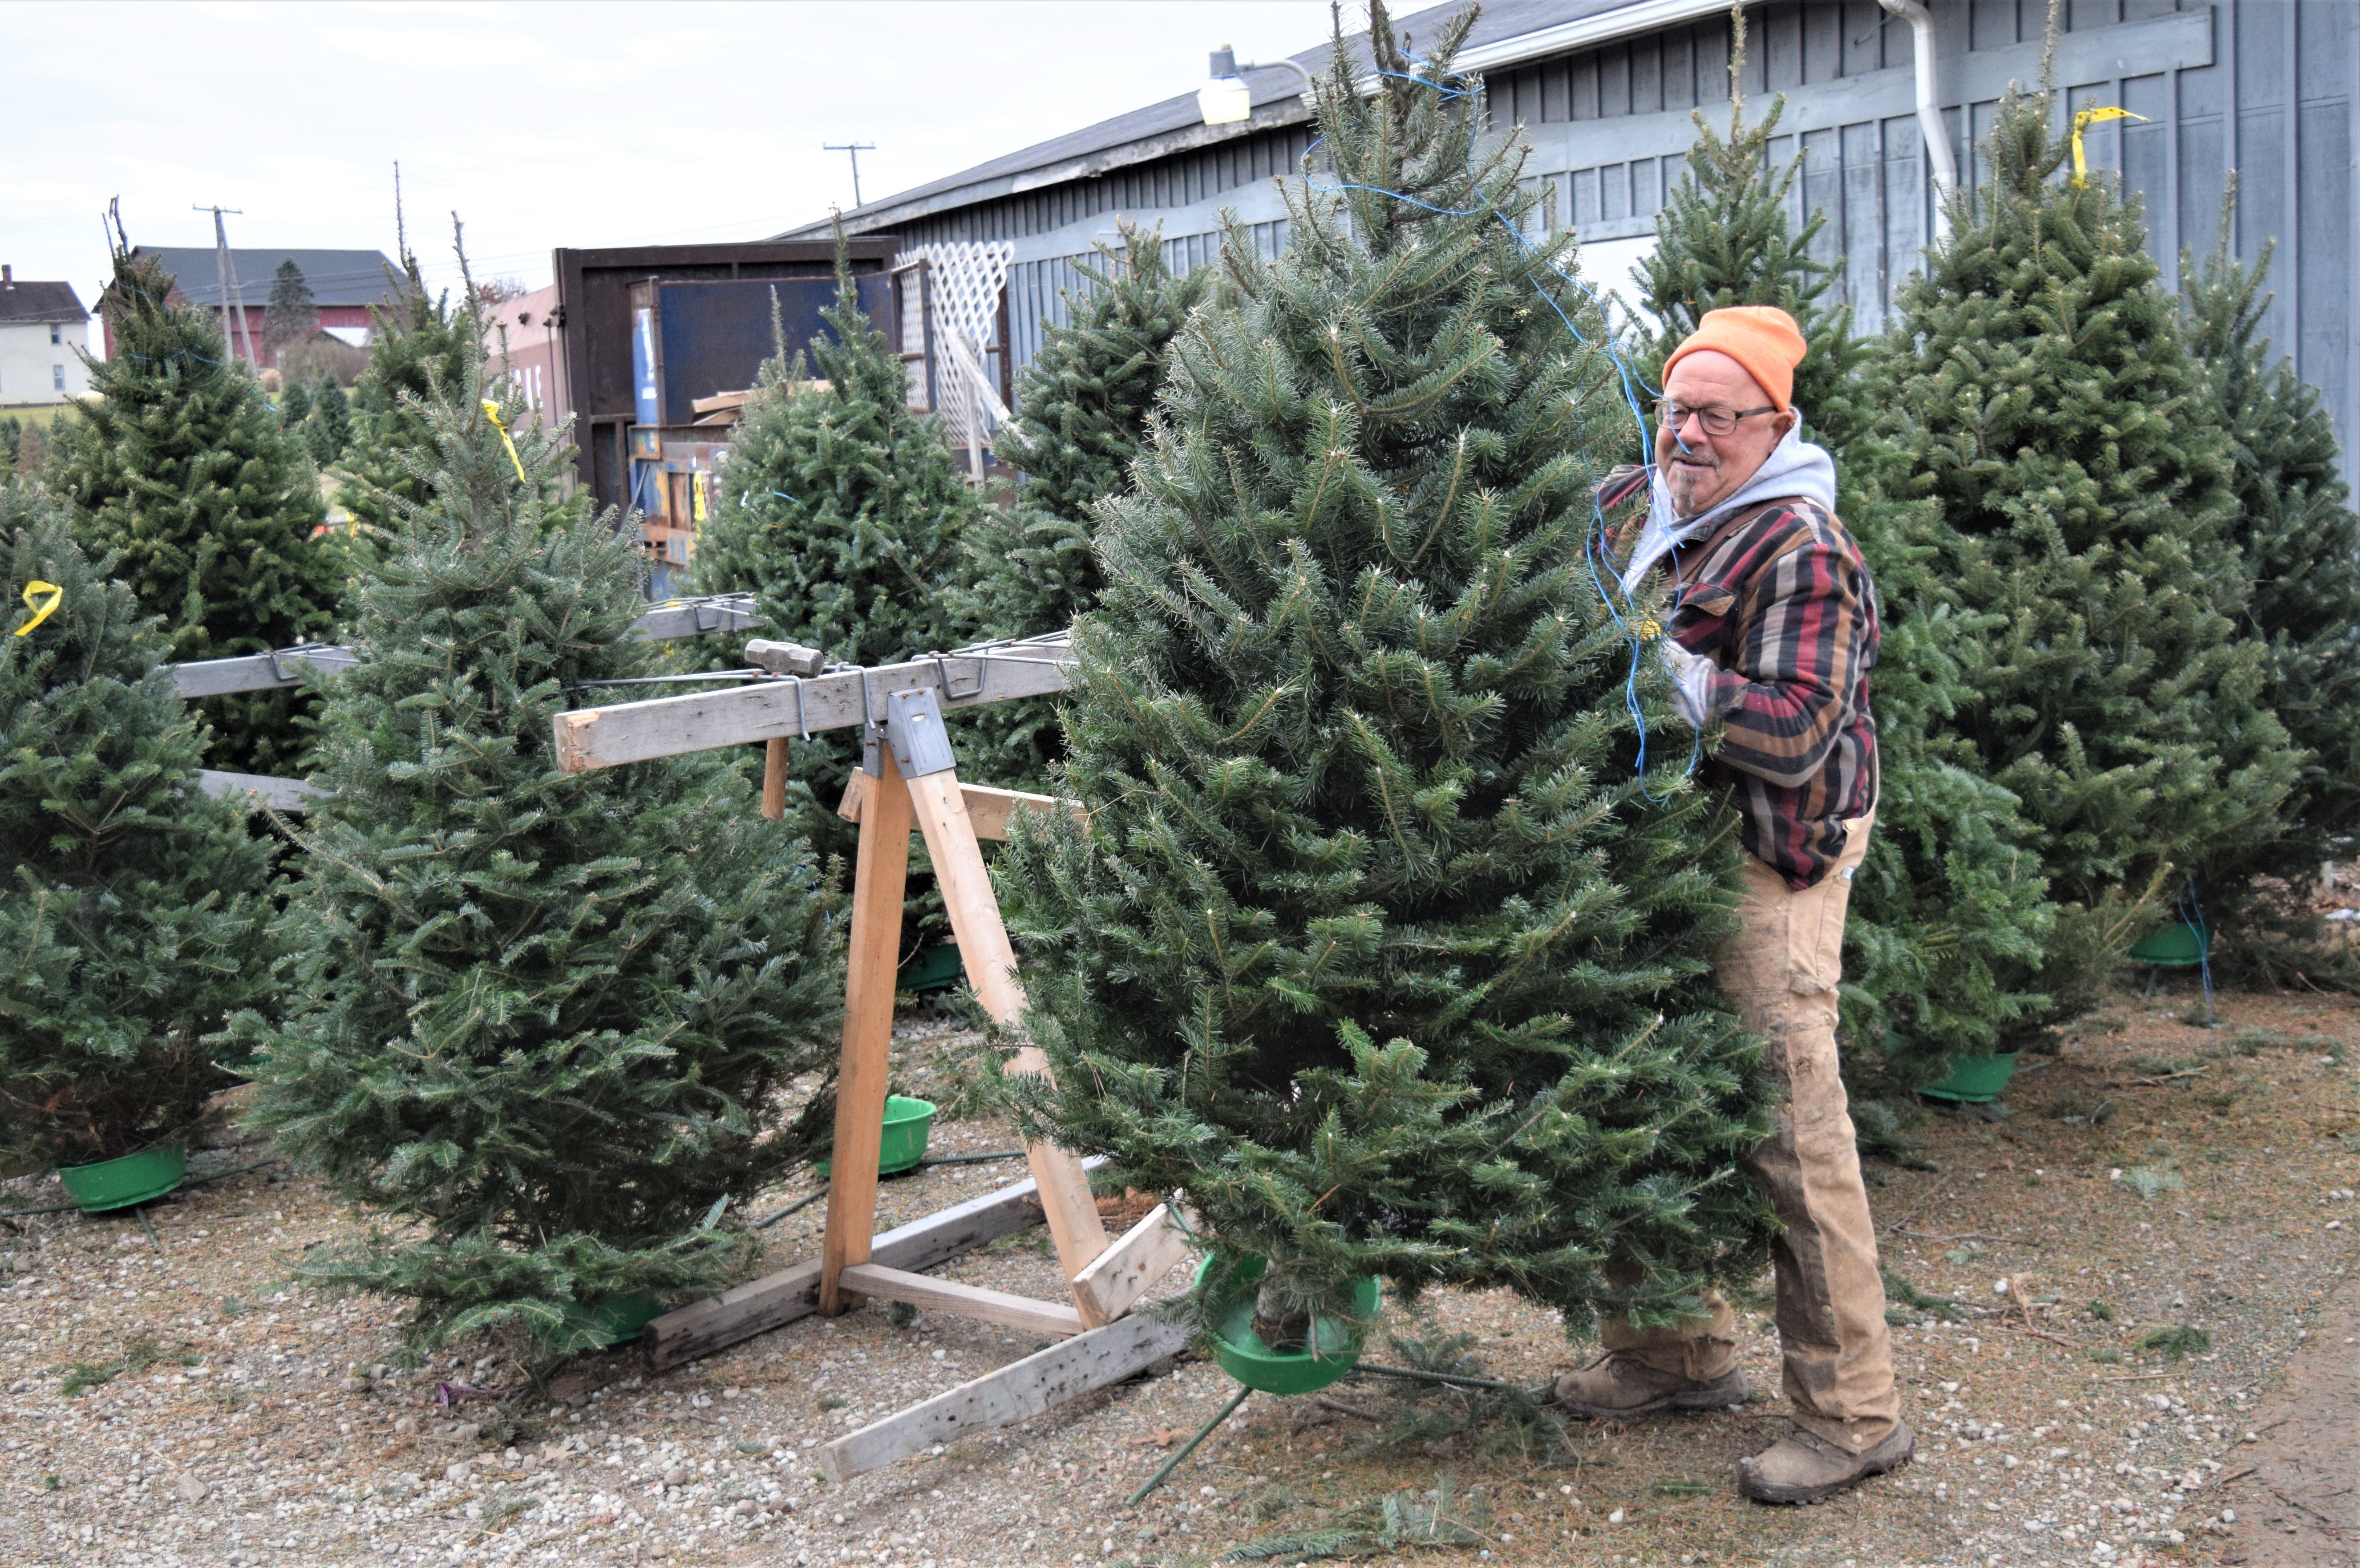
[134, 907]
[1724, 237]
[1948, 914]
[2036, 400]
[419, 338]
[540, 1017]
[1375, 942]
[2294, 521]
[179, 468]
[1082, 407]
[292, 316]
[842, 511]
[328, 429]
[1081, 418]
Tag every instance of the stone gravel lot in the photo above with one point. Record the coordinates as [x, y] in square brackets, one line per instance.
[186, 1403]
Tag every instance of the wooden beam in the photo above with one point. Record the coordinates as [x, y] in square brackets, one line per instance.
[855, 790]
[758, 1306]
[279, 795]
[1015, 1393]
[878, 887]
[665, 727]
[1127, 1270]
[959, 1301]
[940, 807]
[271, 672]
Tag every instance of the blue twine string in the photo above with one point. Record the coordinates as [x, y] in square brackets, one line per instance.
[1631, 383]
[2190, 910]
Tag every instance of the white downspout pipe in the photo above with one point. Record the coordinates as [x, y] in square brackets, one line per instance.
[1930, 128]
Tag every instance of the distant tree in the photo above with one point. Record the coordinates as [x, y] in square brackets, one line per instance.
[12, 431]
[420, 337]
[294, 406]
[330, 428]
[181, 470]
[293, 316]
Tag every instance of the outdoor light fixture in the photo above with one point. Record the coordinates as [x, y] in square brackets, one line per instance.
[1226, 99]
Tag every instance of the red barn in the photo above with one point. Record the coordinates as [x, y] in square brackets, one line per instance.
[344, 284]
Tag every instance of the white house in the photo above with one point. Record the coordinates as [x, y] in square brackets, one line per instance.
[42, 326]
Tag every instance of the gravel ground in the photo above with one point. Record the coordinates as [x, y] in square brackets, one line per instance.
[185, 1403]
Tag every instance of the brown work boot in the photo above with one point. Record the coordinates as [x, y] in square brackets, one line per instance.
[1803, 1467]
[1617, 1384]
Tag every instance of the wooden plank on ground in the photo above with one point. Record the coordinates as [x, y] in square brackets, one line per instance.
[875, 952]
[665, 727]
[1015, 1393]
[1052, 1318]
[940, 807]
[760, 1305]
[279, 795]
[1120, 1275]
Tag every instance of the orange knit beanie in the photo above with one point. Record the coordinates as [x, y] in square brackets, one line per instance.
[1763, 338]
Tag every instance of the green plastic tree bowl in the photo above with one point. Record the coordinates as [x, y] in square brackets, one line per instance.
[2174, 947]
[120, 1183]
[936, 968]
[1974, 1081]
[1229, 1318]
[903, 1144]
[907, 1123]
[607, 1322]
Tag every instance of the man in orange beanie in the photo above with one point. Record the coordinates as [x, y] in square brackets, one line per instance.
[1772, 629]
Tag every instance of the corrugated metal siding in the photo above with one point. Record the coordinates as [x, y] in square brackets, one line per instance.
[2267, 88]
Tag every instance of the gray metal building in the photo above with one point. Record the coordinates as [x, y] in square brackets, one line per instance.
[1604, 88]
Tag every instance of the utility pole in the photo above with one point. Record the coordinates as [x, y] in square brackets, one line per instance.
[855, 148]
[220, 263]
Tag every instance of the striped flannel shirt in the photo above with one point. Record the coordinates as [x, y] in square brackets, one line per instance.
[1778, 597]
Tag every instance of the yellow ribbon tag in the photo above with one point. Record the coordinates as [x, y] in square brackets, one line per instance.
[1646, 630]
[2082, 122]
[492, 412]
[35, 589]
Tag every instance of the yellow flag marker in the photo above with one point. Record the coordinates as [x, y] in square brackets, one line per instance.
[2082, 122]
[36, 589]
[492, 412]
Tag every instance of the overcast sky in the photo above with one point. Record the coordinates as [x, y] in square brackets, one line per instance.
[556, 123]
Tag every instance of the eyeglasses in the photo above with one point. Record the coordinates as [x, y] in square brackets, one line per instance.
[1716, 422]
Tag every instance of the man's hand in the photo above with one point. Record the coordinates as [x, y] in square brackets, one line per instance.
[1691, 683]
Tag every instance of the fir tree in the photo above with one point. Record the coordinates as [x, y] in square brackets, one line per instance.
[329, 428]
[134, 907]
[1082, 407]
[2034, 397]
[2294, 521]
[1724, 237]
[1081, 418]
[420, 338]
[292, 316]
[842, 511]
[539, 1016]
[12, 431]
[1374, 943]
[294, 408]
[180, 469]
[1949, 912]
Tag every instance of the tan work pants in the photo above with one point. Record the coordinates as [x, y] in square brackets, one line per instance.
[1781, 969]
